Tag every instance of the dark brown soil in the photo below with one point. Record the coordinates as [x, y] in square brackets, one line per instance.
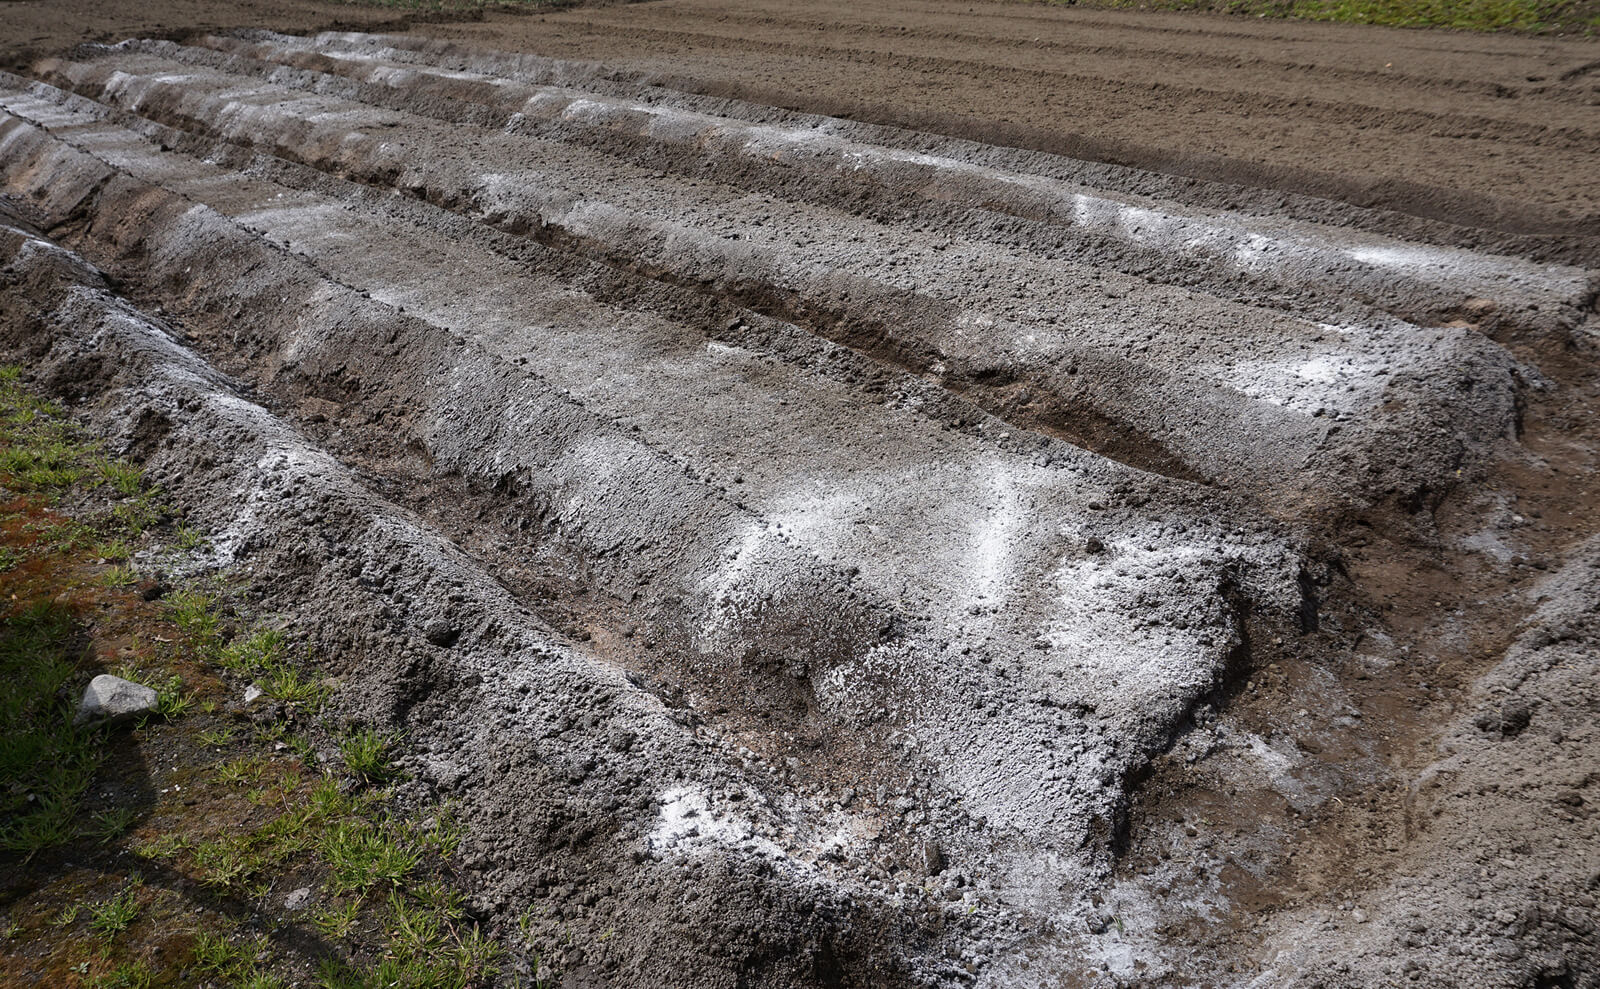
[1487, 129]
[36, 28]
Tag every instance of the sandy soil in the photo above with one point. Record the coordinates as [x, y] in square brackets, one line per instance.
[818, 552]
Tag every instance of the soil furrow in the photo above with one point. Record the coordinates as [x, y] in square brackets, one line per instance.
[484, 703]
[1247, 133]
[824, 552]
[1024, 497]
[1018, 366]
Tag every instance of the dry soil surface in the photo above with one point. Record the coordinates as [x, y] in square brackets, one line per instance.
[1497, 131]
[832, 552]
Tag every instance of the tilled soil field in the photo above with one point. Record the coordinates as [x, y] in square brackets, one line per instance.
[816, 552]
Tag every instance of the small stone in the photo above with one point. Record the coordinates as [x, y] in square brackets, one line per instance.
[932, 858]
[1094, 546]
[112, 700]
[253, 695]
[298, 899]
[1358, 915]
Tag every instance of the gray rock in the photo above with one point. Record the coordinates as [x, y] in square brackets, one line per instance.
[253, 694]
[112, 700]
[298, 899]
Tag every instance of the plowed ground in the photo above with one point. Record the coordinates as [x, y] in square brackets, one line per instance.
[859, 495]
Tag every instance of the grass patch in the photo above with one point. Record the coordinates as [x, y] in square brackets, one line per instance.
[228, 834]
[125, 479]
[45, 763]
[366, 753]
[195, 616]
[115, 915]
[284, 682]
[109, 825]
[113, 550]
[119, 576]
[362, 855]
[259, 650]
[128, 975]
[1535, 16]
[264, 654]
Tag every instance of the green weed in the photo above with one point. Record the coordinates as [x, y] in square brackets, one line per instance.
[222, 862]
[113, 550]
[119, 576]
[214, 738]
[188, 539]
[193, 612]
[301, 747]
[114, 916]
[366, 753]
[284, 682]
[109, 825]
[360, 855]
[172, 701]
[128, 975]
[41, 462]
[213, 952]
[135, 515]
[445, 831]
[257, 651]
[45, 763]
[125, 479]
[67, 536]
[168, 846]
[242, 771]
[337, 921]
[328, 801]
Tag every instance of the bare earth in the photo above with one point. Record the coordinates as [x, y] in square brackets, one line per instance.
[1499, 131]
[875, 495]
